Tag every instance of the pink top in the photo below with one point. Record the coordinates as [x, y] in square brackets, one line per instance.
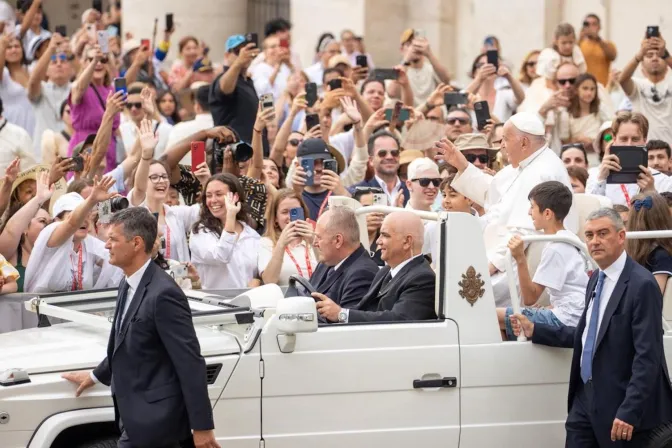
[87, 117]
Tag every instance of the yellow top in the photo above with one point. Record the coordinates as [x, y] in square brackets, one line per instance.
[596, 60]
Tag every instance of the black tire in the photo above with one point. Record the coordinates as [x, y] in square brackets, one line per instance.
[102, 443]
[661, 437]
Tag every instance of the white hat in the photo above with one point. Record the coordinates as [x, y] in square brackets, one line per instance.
[128, 46]
[529, 123]
[67, 203]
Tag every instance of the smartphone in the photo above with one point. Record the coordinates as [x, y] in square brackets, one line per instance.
[91, 31]
[308, 166]
[98, 5]
[197, 155]
[311, 93]
[493, 57]
[362, 60]
[252, 38]
[402, 116]
[454, 99]
[482, 111]
[297, 214]
[169, 22]
[331, 165]
[120, 84]
[419, 34]
[335, 84]
[145, 43]
[284, 43]
[312, 120]
[652, 31]
[79, 163]
[266, 101]
[104, 41]
[62, 30]
[630, 158]
[379, 199]
[385, 73]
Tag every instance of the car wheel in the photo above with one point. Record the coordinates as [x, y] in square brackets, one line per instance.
[102, 443]
[661, 437]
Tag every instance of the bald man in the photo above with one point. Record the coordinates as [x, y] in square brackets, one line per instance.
[402, 290]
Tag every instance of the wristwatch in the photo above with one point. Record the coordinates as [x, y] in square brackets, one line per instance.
[342, 317]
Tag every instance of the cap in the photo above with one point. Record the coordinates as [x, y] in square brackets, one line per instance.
[203, 65]
[316, 148]
[339, 59]
[407, 35]
[198, 84]
[77, 150]
[409, 155]
[60, 186]
[234, 42]
[67, 203]
[465, 142]
[529, 123]
[35, 44]
[128, 46]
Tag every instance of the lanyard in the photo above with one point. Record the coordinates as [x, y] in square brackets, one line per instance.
[627, 196]
[167, 242]
[324, 204]
[78, 281]
[298, 268]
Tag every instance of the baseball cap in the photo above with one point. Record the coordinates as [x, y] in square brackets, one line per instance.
[316, 148]
[35, 44]
[67, 203]
[339, 59]
[234, 42]
[77, 150]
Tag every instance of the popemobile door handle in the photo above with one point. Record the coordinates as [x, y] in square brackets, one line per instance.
[435, 383]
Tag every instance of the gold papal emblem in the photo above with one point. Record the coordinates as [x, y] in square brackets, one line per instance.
[472, 286]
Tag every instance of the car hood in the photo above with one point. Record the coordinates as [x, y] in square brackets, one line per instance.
[72, 346]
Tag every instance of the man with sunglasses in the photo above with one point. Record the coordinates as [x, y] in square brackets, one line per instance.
[47, 96]
[477, 151]
[554, 110]
[458, 122]
[423, 185]
[652, 94]
[138, 111]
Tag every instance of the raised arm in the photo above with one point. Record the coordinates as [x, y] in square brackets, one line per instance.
[141, 57]
[28, 18]
[626, 74]
[405, 86]
[115, 104]
[351, 90]
[280, 143]
[422, 46]
[84, 80]
[227, 83]
[11, 172]
[148, 142]
[39, 72]
[264, 117]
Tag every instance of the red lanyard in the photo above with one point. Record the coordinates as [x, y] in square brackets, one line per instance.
[298, 268]
[324, 204]
[167, 254]
[627, 196]
[78, 281]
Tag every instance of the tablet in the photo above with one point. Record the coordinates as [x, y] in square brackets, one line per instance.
[630, 158]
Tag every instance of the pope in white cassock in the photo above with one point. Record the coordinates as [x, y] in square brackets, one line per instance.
[504, 196]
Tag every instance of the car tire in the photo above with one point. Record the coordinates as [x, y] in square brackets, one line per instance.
[102, 443]
[661, 437]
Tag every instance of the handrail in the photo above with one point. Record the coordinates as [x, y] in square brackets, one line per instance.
[648, 234]
[429, 216]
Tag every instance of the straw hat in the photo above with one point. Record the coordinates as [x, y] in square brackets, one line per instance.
[465, 142]
[423, 134]
[409, 155]
[60, 187]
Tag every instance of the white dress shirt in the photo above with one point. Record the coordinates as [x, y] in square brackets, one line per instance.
[612, 274]
[395, 270]
[133, 283]
[391, 195]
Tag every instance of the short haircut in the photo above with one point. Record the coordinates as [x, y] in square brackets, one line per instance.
[554, 196]
[370, 81]
[594, 16]
[343, 220]
[668, 197]
[421, 164]
[459, 109]
[201, 97]
[607, 212]
[376, 135]
[631, 117]
[137, 221]
[579, 173]
[653, 145]
[77, 186]
[620, 208]
[135, 89]
[184, 41]
[276, 25]
[445, 183]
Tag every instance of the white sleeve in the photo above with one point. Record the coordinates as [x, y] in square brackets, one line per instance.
[187, 214]
[472, 183]
[163, 131]
[662, 182]
[48, 269]
[207, 249]
[345, 143]
[595, 186]
[552, 270]
[356, 172]
[265, 253]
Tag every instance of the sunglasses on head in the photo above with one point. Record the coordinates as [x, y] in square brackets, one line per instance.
[569, 81]
[471, 158]
[295, 142]
[425, 181]
[132, 105]
[59, 57]
[457, 120]
[383, 153]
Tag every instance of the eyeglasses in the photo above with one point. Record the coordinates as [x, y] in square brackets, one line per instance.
[425, 181]
[482, 158]
[569, 81]
[295, 142]
[156, 178]
[531, 63]
[132, 105]
[59, 57]
[456, 120]
[103, 60]
[383, 153]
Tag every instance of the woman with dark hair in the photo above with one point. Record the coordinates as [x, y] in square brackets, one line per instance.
[585, 118]
[14, 82]
[223, 247]
[574, 155]
[168, 107]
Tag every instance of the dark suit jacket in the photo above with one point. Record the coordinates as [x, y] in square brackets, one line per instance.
[630, 375]
[155, 366]
[350, 282]
[408, 296]
[374, 183]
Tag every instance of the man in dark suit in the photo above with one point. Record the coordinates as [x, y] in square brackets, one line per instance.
[384, 152]
[619, 387]
[404, 289]
[346, 269]
[154, 363]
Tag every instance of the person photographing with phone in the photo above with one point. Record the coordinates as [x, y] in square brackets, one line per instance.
[598, 53]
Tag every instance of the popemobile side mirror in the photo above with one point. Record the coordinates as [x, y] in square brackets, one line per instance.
[296, 315]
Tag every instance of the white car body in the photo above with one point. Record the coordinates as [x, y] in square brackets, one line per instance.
[284, 382]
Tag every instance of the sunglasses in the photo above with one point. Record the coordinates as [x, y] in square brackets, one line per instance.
[295, 142]
[471, 158]
[456, 120]
[132, 105]
[569, 81]
[103, 60]
[425, 181]
[59, 57]
[383, 153]
[531, 63]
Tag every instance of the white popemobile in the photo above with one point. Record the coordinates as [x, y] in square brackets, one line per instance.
[277, 379]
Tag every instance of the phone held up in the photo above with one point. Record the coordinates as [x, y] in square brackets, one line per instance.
[312, 120]
[335, 84]
[62, 30]
[385, 73]
[169, 22]
[311, 93]
[104, 41]
[252, 38]
[482, 111]
[197, 155]
[630, 158]
[652, 31]
[120, 85]
[308, 166]
[266, 101]
[362, 61]
[493, 58]
[297, 214]
[331, 165]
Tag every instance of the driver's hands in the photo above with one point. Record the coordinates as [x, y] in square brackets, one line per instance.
[327, 307]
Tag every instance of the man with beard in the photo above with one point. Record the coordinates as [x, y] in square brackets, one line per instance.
[651, 95]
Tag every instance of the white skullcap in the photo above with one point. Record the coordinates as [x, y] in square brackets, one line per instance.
[67, 203]
[419, 165]
[529, 123]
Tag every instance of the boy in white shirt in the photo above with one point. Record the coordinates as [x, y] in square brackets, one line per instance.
[562, 269]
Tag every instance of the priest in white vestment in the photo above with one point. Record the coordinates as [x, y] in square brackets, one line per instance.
[504, 196]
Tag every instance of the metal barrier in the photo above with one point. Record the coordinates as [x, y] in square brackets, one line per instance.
[428, 216]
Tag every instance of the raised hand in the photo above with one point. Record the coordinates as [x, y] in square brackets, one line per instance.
[148, 140]
[517, 248]
[148, 103]
[233, 205]
[202, 173]
[645, 180]
[264, 117]
[59, 168]
[288, 234]
[449, 153]
[101, 189]
[299, 103]
[44, 191]
[351, 110]
[221, 133]
[247, 55]
[12, 170]
[115, 102]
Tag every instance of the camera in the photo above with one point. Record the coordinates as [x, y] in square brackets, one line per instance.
[241, 151]
[107, 208]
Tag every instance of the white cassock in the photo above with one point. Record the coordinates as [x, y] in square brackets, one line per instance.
[623, 193]
[504, 198]
[54, 269]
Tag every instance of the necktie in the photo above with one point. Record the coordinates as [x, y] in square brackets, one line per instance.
[122, 304]
[589, 346]
[387, 279]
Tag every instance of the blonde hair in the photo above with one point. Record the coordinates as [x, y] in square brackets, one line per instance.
[272, 229]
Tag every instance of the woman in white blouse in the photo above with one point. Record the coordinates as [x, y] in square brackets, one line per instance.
[223, 247]
[286, 246]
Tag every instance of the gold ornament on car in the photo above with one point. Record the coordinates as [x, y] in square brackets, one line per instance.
[472, 286]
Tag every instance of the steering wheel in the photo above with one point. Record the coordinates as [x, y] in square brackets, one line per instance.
[299, 286]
